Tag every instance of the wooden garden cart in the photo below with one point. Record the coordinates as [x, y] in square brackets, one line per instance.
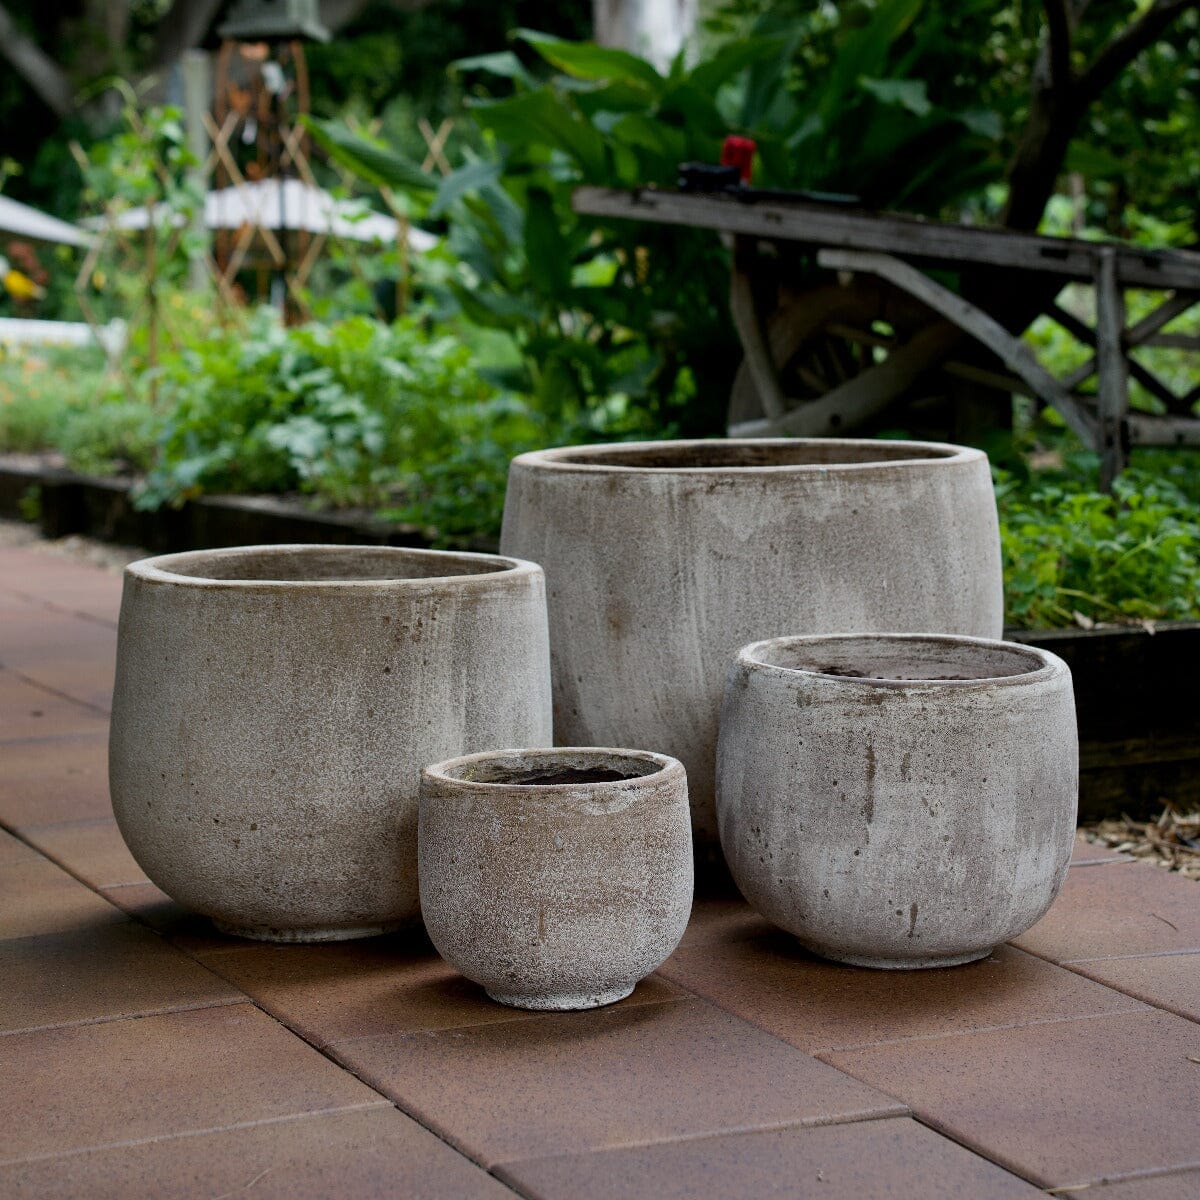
[830, 348]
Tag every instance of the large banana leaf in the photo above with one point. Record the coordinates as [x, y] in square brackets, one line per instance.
[368, 159]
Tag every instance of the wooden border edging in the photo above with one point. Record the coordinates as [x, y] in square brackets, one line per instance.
[92, 506]
[1139, 723]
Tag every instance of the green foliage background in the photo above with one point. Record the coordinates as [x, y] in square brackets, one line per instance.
[535, 326]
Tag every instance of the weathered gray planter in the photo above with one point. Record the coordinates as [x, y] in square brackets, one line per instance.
[663, 558]
[556, 878]
[898, 801]
[274, 706]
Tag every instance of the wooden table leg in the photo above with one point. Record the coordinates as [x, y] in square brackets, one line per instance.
[1112, 370]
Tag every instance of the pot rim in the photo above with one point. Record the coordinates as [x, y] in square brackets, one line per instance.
[576, 458]
[1045, 665]
[446, 772]
[159, 568]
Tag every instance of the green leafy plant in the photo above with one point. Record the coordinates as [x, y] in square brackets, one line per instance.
[116, 437]
[351, 414]
[145, 164]
[600, 310]
[47, 390]
[327, 409]
[1074, 555]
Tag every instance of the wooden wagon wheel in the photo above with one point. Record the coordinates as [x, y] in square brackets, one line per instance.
[831, 347]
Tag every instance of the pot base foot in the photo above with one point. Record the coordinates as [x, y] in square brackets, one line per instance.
[345, 933]
[906, 964]
[563, 1002]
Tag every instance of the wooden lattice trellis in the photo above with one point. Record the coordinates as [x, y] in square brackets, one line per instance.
[144, 250]
[141, 252]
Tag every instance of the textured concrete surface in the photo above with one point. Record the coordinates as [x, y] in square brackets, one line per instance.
[556, 879]
[662, 559]
[144, 1054]
[273, 709]
[898, 801]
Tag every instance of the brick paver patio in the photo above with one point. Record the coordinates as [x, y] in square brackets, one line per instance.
[143, 1054]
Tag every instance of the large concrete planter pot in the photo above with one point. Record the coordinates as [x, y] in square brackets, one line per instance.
[274, 706]
[898, 801]
[663, 558]
[556, 878]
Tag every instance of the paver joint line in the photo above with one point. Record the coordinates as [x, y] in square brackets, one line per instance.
[17, 673]
[1071, 963]
[732, 1131]
[62, 608]
[163, 1011]
[1134, 1007]
[382, 1102]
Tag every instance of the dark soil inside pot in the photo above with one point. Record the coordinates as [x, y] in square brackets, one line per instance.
[754, 453]
[570, 776]
[557, 769]
[327, 564]
[903, 660]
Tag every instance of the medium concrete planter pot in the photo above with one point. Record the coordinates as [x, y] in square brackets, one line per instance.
[274, 706]
[556, 878]
[898, 801]
[663, 558]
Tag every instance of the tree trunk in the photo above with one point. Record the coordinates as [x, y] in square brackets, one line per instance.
[1037, 161]
[1061, 98]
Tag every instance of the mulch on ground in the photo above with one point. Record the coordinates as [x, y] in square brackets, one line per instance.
[1173, 841]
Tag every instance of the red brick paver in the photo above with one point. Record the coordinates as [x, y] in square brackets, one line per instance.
[333, 993]
[83, 1086]
[1060, 1103]
[819, 1006]
[92, 850]
[622, 1076]
[144, 1054]
[372, 1152]
[874, 1160]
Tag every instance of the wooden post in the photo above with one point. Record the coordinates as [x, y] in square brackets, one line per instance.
[197, 96]
[1112, 370]
[152, 301]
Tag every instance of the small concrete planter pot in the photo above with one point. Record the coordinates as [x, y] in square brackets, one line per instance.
[663, 558]
[274, 706]
[556, 878]
[898, 801]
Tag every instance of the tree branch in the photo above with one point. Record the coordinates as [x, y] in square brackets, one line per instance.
[37, 68]
[1058, 22]
[1126, 46]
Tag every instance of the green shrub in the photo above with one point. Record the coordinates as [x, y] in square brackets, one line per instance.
[40, 388]
[1071, 552]
[29, 423]
[356, 413]
[334, 410]
[616, 308]
[115, 437]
